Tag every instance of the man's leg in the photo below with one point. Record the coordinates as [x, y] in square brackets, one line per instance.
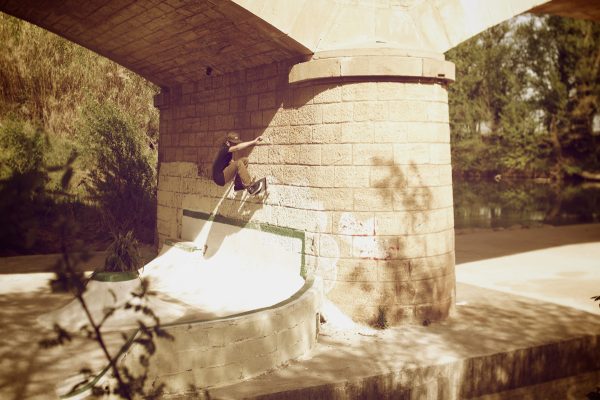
[243, 177]
[230, 171]
[238, 169]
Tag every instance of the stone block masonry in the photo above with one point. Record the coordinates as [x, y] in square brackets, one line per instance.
[361, 164]
[217, 352]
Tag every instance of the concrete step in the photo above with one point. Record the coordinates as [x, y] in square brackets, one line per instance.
[496, 345]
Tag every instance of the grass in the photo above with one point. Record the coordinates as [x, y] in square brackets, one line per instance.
[48, 86]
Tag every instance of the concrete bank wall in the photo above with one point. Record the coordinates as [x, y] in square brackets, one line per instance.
[229, 350]
[361, 164]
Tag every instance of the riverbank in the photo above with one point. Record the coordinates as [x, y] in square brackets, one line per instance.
[516, 290]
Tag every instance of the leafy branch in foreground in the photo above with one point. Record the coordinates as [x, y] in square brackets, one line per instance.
[69, 277]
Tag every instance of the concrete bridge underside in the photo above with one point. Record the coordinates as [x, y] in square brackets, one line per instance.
[351, 96]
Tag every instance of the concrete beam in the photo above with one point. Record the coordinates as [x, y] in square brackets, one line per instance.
[167, 42]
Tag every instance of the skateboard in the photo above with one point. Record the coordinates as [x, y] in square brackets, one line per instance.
[263, 188]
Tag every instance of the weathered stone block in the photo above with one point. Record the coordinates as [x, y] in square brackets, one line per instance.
[440, 242]
[362, 91]
[267, 101]
[334, 198]
[412, 246]
[329, 133]
[389, 132]
[309, 115]
[388, 177]
[393, 270]
[412, 153]
[409, 111]
[354, 223]
[351, 177]
[337, 112]
[393, 223]
[301, 95]
[283, 154]
[376, 247]
[372, 154]
[310, 154]
[358, 132]
[351, 270]
[370, 111]
[373, 199]
[330, 93]
[336, 154]
[289, 135]
[432, 267]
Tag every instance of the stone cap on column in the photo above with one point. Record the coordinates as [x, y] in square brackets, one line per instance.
[374, 62]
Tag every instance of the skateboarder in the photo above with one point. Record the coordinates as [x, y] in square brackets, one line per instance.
[227, 166]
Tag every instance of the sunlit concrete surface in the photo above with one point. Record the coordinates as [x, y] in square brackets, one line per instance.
[497, 345]
[494, 340]
[567, 274]
[220, 284]
[188, 288]
[223, 269]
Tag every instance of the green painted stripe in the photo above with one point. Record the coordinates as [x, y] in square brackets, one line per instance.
[307, 285]
[263, 227]
[104, 276]
[182, 245]
[259, 226]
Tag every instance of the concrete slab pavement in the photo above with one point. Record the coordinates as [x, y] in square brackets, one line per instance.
[513, 335]
[497, 340]
[554, 264]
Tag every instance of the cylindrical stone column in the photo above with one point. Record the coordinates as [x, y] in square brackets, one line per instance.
[390, 252]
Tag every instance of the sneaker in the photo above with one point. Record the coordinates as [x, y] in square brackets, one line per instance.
[255, 188]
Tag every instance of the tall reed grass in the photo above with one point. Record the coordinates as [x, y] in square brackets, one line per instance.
[50, 92]
[47, 79]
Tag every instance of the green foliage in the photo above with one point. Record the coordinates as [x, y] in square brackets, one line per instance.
[22, 182]
[123, 254]
[565, 86]
[22, 148]
[121, 176]
[490, 117]
[476, 156]
[46, 79]
[46, 86]
[126, 383]
[525, 97]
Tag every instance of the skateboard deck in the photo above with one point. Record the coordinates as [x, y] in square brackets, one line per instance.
[262, 190]
[264, 186]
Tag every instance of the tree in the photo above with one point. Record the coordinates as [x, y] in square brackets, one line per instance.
[490, 116]
[121, 174]
[563, 57]
[525, 97]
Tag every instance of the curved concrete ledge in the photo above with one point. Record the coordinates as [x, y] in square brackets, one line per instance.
[376, 63]
[224, 351]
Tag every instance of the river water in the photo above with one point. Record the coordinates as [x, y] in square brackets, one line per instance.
[505, 204]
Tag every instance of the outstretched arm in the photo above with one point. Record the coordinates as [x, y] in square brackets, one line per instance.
[245, 145]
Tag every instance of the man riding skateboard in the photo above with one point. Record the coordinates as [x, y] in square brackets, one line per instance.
[228, 166]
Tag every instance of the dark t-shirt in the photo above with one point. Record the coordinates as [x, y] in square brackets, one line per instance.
[221, 162]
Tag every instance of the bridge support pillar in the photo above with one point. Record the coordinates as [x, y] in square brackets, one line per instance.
[358, 159]
[390, 251]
